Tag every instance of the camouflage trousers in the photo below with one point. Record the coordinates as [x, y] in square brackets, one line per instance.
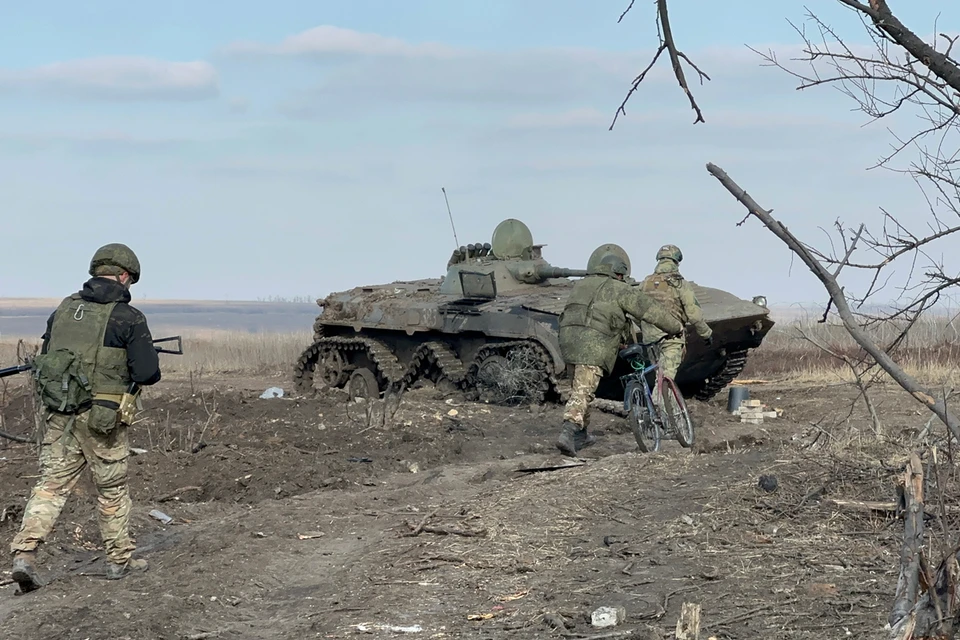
[671, 355]
[63, 456]
[586, 377]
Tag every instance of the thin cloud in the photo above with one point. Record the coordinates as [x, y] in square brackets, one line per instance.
[372, 72]
[117, 78]
[331, 40]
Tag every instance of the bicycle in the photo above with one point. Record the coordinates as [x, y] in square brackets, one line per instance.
[651, 419]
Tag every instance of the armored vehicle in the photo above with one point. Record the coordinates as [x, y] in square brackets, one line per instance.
[489, 328]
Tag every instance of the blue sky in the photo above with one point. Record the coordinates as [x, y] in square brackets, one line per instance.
[252, 149]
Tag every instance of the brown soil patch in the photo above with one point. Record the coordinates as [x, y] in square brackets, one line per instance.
[497, 553]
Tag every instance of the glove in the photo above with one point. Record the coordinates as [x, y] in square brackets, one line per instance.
[708, 340]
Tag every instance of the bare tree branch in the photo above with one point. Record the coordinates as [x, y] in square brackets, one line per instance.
[846, 315]
[883, 19]
[667, 43]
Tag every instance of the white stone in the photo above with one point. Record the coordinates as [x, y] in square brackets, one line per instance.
[608, 616]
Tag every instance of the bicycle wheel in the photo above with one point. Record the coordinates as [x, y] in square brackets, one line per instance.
[645, 429]
[673, 411]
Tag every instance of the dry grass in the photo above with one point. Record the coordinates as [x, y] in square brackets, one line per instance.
[217, 352]
[931, 351]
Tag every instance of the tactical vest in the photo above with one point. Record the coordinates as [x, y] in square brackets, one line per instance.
[583, 309]
[80, 326]
[665, 289]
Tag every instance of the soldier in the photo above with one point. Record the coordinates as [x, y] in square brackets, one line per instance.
[668, 287]
[101, 344]
[591, 328]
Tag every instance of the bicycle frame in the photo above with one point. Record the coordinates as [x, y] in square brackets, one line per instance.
[639, 374]
[666, 412]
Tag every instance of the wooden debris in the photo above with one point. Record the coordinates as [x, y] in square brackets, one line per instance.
[754, 411]
[886, 507]
[415, 530]
[311, 535]
[421, 527]
[451, 531]
[480, 616]
[551, 467]
[688, 624]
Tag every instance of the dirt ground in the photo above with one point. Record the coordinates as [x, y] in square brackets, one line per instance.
[296, 518]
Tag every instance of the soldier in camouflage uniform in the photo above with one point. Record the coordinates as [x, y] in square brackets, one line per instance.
[668, 287]
[592, 325]
[111, 339]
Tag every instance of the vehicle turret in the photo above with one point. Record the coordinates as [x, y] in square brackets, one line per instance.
[509, 261]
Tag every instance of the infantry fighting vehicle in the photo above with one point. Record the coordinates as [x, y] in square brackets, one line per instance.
[489, 328]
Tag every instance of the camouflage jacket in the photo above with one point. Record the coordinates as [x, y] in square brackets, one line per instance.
[126, 329]
[597, 316]
[669, 288]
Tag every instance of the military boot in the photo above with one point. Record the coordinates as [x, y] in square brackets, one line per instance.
[24, 573]
[116, 571]
[567, 442]
[584, 439]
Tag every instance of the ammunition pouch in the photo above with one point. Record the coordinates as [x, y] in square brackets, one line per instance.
[126, 405]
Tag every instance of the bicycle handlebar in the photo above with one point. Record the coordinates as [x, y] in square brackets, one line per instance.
[638, 349]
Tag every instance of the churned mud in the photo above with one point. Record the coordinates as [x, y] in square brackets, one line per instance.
[299, 518]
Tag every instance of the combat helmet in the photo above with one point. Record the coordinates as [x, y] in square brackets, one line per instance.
[616, 264]
[119, 257]
[670, 252]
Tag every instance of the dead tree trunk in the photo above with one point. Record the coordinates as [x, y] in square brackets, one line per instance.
[829, 281]
[902, 618]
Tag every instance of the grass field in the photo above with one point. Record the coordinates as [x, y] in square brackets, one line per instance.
[931, 351]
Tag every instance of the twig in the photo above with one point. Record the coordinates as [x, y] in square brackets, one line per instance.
[416, 530]
[907, 382]
[466, 533]
[668, 44]
[752, 613]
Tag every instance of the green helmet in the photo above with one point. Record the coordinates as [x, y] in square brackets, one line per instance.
[117, 258]
[670, 252]
[616, 264]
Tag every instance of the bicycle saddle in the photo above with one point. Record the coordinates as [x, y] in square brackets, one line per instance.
[632, 351]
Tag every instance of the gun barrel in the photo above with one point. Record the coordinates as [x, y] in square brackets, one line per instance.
[559, 272]
[179, 350]
[11, 371]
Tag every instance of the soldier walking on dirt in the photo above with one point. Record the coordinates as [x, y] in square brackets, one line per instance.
[94, 347]
[592, 327]
[668, 287]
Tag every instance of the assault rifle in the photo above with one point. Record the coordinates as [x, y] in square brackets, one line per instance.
[28, 365]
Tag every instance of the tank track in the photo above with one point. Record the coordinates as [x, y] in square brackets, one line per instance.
[734, 364]
[388, 366]
[429, 357]
[546, 385]
[435, 356]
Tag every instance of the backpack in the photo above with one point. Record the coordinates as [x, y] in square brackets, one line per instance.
[61, 381]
